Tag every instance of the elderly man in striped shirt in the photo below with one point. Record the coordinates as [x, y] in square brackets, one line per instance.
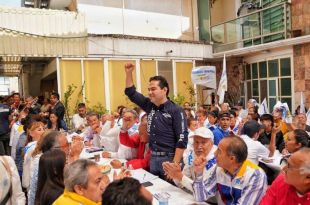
[234, 180]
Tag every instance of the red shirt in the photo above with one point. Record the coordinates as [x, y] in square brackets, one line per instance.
[280, 193]
[143, 155]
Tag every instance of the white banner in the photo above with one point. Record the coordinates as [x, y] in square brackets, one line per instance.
[204, 75]
[223, 83]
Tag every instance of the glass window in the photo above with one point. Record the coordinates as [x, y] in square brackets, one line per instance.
[244, 72]
[242, 89]
[272, 102]
[285, 86]
[288, 101]
[255, 88]
[165, 69]
[248, 72]
[254, 71]
[272, 88]
[263, 69]
[249, 89]
[204, 20]
[285, 64]
[263, 89]
[273, 68]
[269, 79]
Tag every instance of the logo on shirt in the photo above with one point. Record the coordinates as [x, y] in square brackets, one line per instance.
[150, 120]
[166, 115]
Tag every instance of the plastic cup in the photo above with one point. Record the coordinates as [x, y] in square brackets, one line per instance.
[163, 198]
[97, 157]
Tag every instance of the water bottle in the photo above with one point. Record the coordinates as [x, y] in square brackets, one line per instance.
[190, 158]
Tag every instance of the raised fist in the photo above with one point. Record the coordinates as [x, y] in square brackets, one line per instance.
[129, 67]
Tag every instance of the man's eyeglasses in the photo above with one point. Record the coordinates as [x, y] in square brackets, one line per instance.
[61, 147]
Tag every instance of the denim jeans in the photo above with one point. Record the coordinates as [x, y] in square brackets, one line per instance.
[156, 166]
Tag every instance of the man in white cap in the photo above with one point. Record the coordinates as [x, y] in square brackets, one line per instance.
[203, 146]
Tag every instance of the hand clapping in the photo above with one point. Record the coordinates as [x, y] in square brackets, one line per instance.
[199, 164]
[173, 171]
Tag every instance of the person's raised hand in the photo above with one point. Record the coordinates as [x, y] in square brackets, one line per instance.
[199, 164]
[129, 67]
[173, 171]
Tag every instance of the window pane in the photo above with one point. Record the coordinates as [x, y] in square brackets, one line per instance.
[244, 72]
[242, 89]
[249, 90]
[165, 69]
[204, 20]
[285, 67]
[248, 72]
[263, 69]
[272, 88]
[272, 102]
[285, 86]
[273, 68]
[254, 71]
[255, 88]
[288, 101]
[256, 98]
[263, 89]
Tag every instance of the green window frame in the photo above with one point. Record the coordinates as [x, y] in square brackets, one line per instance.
[269, 79]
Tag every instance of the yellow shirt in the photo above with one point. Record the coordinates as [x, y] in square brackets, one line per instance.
[283, 126]
[72, 198]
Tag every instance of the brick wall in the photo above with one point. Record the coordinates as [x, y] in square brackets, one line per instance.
[301, 21]
[302, 73]
[301, 16]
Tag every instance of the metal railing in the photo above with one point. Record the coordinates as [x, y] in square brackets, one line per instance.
[262, 26]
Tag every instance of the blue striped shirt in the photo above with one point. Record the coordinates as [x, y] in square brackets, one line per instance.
[247, 187]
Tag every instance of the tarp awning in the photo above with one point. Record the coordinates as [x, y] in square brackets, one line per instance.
[41, 32]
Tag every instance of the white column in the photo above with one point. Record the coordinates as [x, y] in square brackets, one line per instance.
[195, 88]
[138, 70]
[174, 76]
[58, 77]
[107, 84]
[83, 80]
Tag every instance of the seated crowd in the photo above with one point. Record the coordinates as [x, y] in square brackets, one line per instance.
[226, 160]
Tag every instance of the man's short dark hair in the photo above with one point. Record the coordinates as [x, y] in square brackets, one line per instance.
[81, 105]
[251, 127]
[233, 113]
[214, 113]
[162, 82]
[15, 94]
[126, 191]
[267, 117]
[237, 147]
[224, 114]
[55, 94]
[204, 113]
[90, 114]
[189, 120]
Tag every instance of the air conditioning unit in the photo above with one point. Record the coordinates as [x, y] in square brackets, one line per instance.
[59, 4]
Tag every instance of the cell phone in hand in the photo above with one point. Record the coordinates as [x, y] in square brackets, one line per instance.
[146, 184]
[93, 149]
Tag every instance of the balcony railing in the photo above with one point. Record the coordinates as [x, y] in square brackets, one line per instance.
[269, 24]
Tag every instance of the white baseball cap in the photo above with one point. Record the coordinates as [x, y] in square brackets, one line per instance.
[204, 133]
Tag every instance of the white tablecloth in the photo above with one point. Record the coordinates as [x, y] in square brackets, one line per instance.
[178, 196]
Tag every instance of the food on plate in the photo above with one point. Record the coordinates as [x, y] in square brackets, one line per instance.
[116, 164]
[105, 169]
